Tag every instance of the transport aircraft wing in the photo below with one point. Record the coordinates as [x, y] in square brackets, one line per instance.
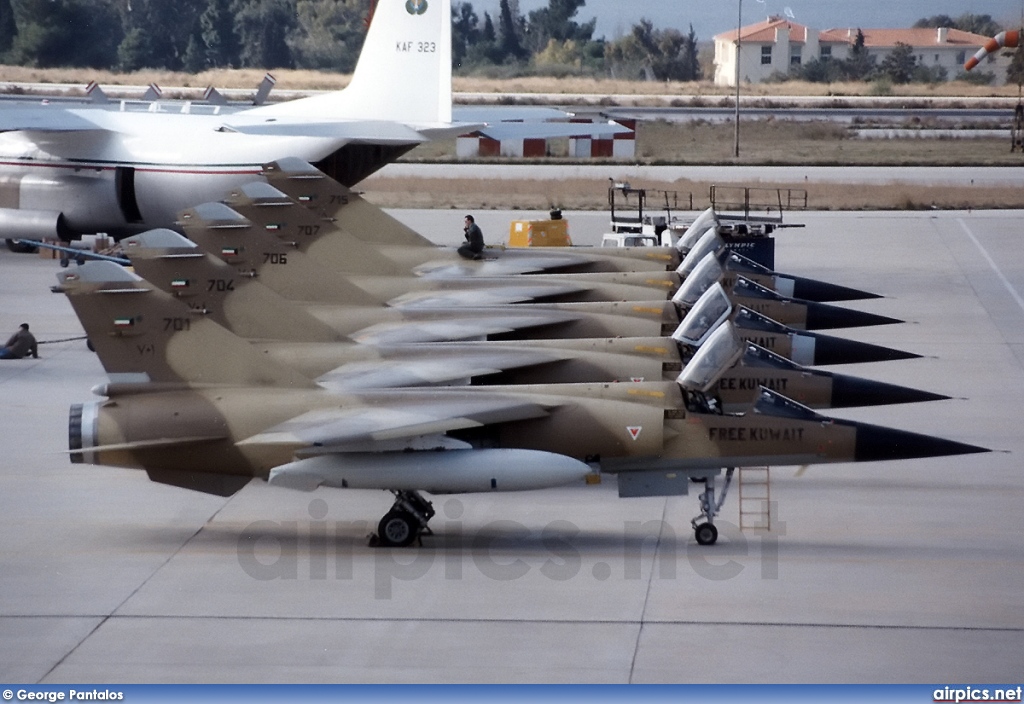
[37, 118]
[68, 169]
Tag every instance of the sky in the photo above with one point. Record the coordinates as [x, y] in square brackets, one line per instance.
[711, 17]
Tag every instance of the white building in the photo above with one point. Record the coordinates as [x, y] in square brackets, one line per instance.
[777, 44]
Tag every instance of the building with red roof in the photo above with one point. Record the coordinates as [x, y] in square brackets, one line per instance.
[777, 45]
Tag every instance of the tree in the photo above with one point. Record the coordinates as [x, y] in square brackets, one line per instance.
[664, 55]
[262, 27]
[934, 21]
[967, 22]
[157, 33]
[1015, 71]
[569, 57]
[822, 70]
[858, 65]
[929, 74]
[489, 35]
[556, 22]
[217, 34]
[465, 31]
[899, 65]
[64, 33]
[8, 29]
[328, 34]
[509, 45]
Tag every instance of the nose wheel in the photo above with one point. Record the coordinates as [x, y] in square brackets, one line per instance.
[704, 529]
[706, 534]
[405, 523]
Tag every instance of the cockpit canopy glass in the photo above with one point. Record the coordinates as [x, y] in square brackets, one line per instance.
[704, 222]
[710, 311]
[710, 242]
[721, 351]
[703, 276]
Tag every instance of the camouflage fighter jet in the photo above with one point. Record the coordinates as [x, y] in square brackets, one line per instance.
[350, 366]
[270, 248]
[239, 415]
[255, 310]
[252, 312]
[347, 211]
[796, 313]
[263, 206]
[217, 228]
[805, 348]
[337, 206]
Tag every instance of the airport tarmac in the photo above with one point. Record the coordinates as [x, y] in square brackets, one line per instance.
[886, 572]
[964, 176]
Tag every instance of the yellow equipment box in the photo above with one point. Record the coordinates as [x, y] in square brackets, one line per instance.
[539, 233]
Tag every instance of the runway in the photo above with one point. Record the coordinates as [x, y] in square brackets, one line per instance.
[966, 176]
[886, 572]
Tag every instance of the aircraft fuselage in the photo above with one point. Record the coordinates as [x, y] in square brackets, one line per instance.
[130, 172]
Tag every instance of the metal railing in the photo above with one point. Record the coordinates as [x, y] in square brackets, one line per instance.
[753, 203]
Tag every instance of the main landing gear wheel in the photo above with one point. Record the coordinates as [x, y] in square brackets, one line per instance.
[405, 522]
[706, 534]
[397, 529]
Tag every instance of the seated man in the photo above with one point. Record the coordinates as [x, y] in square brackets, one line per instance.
[21, 344]
[474, 240]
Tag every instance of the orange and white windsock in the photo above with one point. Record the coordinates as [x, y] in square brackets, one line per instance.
[1001, 40]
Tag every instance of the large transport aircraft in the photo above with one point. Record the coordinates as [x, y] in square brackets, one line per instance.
[66, 170]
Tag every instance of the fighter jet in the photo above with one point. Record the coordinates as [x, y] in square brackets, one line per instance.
[263, 228]
[245, 305]
[217, 228]
[89, 168]
[266, 248]
[331, 202]
[794, 312]
[372, 242]
[736, 265]
[806, 348]
[351, 366]
[254, 307]
[240, 415]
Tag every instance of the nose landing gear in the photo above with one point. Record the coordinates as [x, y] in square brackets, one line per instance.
[704, 529]
[405, 522]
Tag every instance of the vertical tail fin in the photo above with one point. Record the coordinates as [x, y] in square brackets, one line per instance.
[144, 335]
[239, 303]
[404, 73]
[346, 208]
[252, 247]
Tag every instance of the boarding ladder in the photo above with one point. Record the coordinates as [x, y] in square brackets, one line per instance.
[755, 498]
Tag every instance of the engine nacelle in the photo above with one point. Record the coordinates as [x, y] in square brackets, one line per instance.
[33, 224]
[446, 472]
[66, 205]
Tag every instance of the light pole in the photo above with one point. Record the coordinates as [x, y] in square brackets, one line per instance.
[739, 30]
